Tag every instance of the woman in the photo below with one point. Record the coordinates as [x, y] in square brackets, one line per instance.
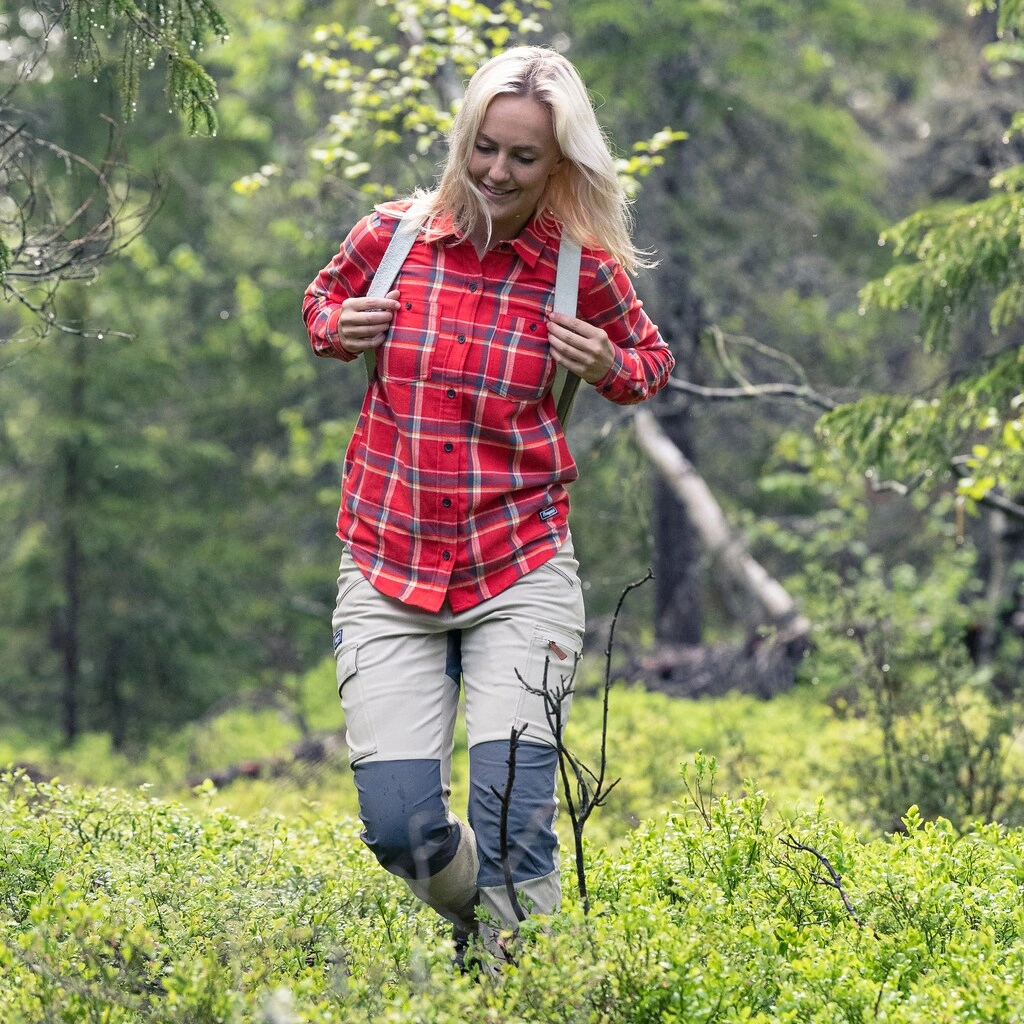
[457, 560]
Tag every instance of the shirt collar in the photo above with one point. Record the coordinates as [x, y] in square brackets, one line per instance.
[541, 230]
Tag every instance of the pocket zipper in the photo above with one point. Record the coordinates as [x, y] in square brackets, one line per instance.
[558, 652]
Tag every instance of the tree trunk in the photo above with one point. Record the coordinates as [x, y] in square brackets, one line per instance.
[678, 596]
[756, 598]
[69, 629]
[777, 634]
[678, 605]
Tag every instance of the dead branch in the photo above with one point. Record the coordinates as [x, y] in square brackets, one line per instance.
[761, 599]
[52, 238]
[762, 665]
[834, 879]
[726, 348]
[798, 391]
[505, 800]
[591, 789]
[306, 759]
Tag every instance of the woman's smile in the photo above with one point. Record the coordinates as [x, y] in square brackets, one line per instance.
[514, 156]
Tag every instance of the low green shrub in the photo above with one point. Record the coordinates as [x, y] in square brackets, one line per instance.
[121, 907]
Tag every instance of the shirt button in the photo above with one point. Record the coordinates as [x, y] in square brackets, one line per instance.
[447, 502]
[448, 446]
[461, 339]
[473, 287]
[446, 555]
[451, 392]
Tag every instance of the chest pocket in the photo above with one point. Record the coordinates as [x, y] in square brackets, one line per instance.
[407, 354]
[517, 362]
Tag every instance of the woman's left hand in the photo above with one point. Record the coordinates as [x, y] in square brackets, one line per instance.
[580, 347]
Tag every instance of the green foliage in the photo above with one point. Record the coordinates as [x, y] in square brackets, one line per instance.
[961, 254]
[205, 567]
[917, 440]
[399, 81]
[937, 733]
[151, 30]
[121, 907]
[928, 721]
[766, 219]
[953, 259]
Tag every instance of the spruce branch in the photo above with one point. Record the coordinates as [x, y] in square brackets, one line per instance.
[150, 30]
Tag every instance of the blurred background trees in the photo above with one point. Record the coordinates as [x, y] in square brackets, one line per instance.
[169, 449]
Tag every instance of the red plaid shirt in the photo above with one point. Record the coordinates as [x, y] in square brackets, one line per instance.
[455, 477]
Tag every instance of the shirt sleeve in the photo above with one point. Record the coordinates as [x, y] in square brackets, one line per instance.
[347, 275]
[643, 361]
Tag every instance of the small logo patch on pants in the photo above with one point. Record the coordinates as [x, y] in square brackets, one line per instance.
[337, 640]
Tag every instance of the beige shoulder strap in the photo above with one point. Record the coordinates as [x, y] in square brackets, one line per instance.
[567, 279]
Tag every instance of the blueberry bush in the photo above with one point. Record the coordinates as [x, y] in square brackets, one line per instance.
[120, 907]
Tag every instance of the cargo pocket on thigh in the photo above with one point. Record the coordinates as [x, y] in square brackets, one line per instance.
[551, 666]
[359, 732]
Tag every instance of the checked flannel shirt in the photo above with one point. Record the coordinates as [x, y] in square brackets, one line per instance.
[455, 477]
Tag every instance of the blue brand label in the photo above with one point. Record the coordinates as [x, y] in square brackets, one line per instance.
[549, 513]
[337, 639]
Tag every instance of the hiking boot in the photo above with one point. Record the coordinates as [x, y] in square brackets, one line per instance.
[462, 940]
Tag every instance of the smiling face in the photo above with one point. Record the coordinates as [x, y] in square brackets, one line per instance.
[514, 155]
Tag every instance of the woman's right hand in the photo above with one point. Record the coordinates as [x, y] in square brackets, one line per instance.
[364, 322]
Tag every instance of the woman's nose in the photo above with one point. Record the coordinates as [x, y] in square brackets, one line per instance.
[500, 168]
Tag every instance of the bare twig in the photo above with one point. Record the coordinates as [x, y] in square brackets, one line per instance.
[834, 879]
[725, 347]
[506, 801]
[590, 790]
[798, 391]
[52, 237]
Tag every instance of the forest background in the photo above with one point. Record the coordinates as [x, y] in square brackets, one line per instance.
[169, 449]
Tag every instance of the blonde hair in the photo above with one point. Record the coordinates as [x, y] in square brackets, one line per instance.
[584, 193]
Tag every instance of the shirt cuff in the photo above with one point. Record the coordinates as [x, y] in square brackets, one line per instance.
[622, 383]
[334, 339]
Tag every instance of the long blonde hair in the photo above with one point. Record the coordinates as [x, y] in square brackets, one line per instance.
[584, 194]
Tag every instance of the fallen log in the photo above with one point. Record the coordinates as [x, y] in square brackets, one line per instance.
[764, 666]
[312, 752]
[777, 634]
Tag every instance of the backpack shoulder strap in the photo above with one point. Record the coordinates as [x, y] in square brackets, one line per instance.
[567, 278]
[567, 282]
[390, 264]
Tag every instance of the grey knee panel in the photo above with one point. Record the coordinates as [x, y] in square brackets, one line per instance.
[532, 843]
[406, 824]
